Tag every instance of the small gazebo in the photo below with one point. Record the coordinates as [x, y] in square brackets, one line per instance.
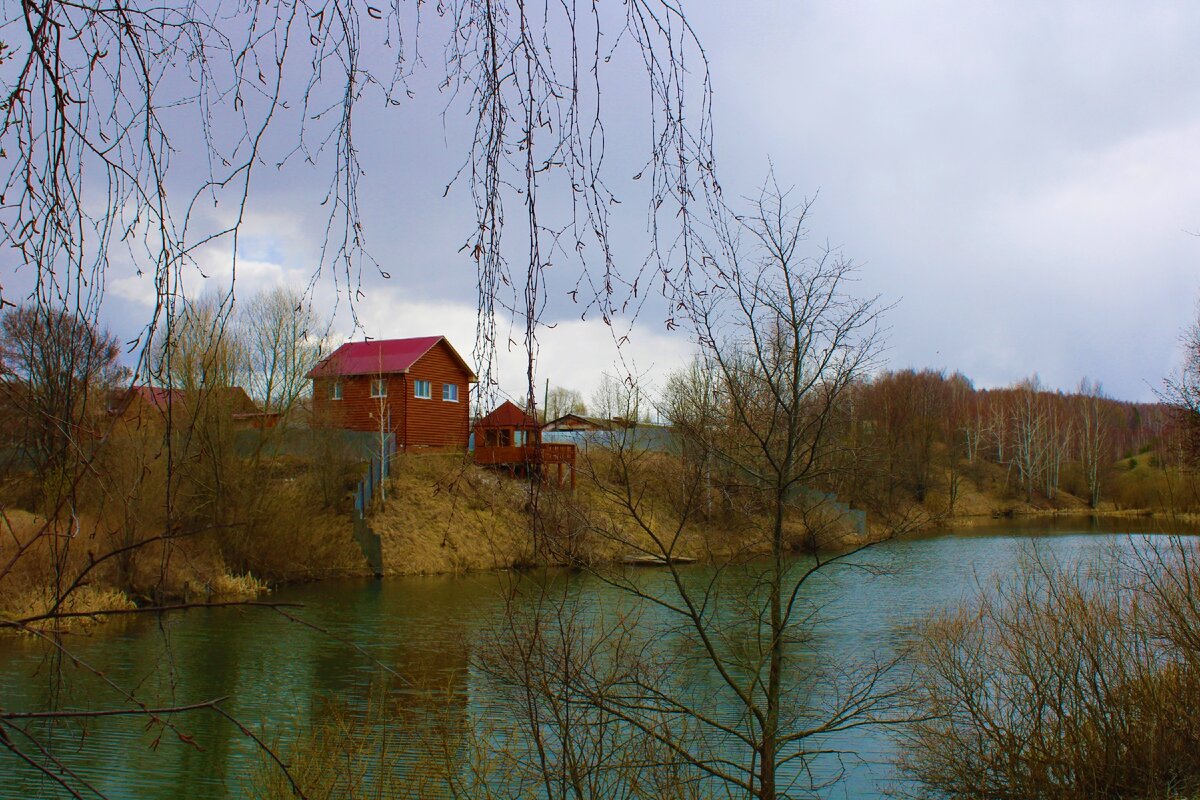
[510, 437]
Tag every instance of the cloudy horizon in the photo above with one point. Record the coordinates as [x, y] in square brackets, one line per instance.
[1018, 179]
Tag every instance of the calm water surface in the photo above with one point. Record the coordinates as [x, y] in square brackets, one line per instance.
[277, 673]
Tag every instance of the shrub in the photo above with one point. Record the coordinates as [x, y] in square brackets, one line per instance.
[1065, 683]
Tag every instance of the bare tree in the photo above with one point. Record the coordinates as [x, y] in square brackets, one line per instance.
[717, 677]
[1064, 681]
[1092, 430]
[283, 336]
[910, 407]
[561, 401]
[958, 432]
[134, 132]
[1031, 431]
[973, 426]
[552, 658]
[1181, 392]
[201, 351]
[58, 373]
[615, 398]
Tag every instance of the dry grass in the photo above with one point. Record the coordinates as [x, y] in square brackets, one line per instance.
[236, 587]
[271, 529]
[1141, 484]
[288, 536]
[442, 515]
[1065, 682]
[40, 556]
[33, 551]
[85, 600]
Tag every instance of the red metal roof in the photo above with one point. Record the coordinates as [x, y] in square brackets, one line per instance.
[507, 415]
[380, 357]
[159, 397]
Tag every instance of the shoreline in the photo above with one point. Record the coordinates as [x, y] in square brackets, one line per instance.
[489, 541]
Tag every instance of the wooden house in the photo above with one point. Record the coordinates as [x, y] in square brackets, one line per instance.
[512, 438]
[416, 389]
[578, 422]
[140, 404]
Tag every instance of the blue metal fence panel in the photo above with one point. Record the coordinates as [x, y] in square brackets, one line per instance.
[653, 438]
[379, 468]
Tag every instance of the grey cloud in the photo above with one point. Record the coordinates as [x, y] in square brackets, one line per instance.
[1020, 175]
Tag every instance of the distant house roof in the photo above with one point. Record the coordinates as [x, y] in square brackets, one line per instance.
[578, 422]
[381, 357]
[160, 398]
[155, 396]
[507, 415]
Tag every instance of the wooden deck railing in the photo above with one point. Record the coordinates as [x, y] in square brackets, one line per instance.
[526, 454]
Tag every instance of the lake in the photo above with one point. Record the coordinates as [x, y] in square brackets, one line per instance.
[278, 673]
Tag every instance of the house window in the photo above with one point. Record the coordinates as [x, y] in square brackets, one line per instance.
[450, 392]
[497, 438]
[335, 390]
[379, 387]
[422, 390]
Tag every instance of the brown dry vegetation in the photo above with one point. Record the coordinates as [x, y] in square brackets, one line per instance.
[288, 519]
[1065, 681]
[245, 524]
[444, 514]
[924, 437]
[1144, 483]
[1137, 486]
[49, 562]
[28, 587]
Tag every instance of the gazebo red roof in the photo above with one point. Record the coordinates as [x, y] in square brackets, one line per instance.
[508, 415]
[380, 357]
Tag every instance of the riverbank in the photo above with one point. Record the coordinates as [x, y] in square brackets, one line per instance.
[441, 514]
[444, 515]
[987, 492]
[97, 561]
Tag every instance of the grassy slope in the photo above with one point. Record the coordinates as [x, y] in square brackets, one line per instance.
[288, 538]
[443, 514]
[1132, 486]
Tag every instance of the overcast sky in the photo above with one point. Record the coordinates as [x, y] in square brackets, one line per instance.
[1022, 179]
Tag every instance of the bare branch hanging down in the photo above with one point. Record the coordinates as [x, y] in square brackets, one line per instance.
[134, 134]
[110, 110]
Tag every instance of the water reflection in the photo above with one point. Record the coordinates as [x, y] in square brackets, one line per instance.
[278, 674]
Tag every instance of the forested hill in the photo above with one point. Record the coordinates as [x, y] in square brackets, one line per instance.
[923, 430]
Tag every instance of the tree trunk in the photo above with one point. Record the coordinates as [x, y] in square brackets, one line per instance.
[768, 752]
